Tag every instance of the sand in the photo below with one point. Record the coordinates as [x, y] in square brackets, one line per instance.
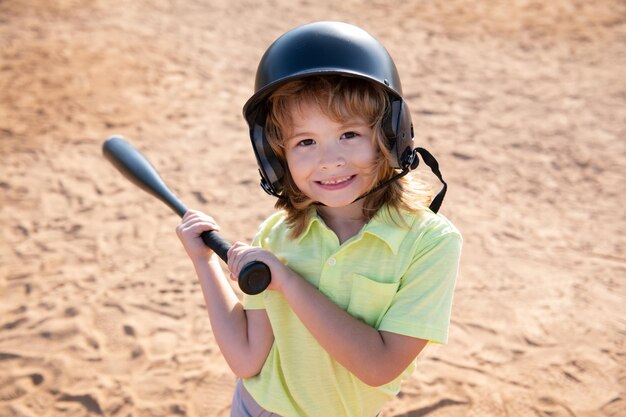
[523, 102]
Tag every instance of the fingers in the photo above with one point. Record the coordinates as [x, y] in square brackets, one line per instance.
[241, 255]
[189, 231]
[236, 256]
[196, 222]
[194, 216]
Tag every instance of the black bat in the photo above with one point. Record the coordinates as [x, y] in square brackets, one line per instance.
[254, 277]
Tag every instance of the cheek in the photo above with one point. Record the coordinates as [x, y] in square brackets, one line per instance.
[298, 164]
[366, 158]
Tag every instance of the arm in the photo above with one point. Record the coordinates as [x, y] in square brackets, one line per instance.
[421, 307]
[244, 337]
[349, 341]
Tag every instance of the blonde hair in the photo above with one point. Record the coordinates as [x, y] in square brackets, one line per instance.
[339, 97]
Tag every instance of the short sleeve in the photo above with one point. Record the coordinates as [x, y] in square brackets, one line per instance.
[422, 306]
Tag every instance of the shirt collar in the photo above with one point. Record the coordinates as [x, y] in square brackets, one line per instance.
[387, 225]
[313, 218]
[390, 226]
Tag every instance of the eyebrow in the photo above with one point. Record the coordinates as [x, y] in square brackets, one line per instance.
[294, 134]
[353, 122]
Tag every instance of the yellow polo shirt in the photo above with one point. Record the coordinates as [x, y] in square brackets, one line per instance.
[396, 275]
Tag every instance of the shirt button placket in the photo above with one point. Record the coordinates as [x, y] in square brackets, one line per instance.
[328, 271]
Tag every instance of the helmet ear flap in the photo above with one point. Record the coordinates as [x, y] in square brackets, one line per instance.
[270, 168]
[399, 132]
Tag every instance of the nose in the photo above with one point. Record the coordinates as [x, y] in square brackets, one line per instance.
[331, 157]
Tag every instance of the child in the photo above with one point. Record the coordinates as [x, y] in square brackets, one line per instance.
[363, 271]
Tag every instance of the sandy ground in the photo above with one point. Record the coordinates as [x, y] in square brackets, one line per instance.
[523, 102]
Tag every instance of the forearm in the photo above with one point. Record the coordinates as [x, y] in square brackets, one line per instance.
[357, 346]
[228, 319]
[372, 356]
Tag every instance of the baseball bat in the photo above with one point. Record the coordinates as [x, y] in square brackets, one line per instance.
[254, 277]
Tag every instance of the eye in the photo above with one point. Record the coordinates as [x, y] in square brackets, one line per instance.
[349, 135]
[305, 142]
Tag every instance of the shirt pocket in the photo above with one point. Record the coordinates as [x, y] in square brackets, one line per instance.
[370, 300]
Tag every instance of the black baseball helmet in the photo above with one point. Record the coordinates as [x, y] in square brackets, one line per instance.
[326, 48]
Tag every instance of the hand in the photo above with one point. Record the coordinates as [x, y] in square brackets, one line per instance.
[189, 230]
[241, 255]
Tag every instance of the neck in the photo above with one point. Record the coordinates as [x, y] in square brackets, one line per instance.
[344, 221]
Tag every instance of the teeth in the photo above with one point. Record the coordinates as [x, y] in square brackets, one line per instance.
[336, 181]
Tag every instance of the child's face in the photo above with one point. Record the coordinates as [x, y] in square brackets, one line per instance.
[331, 162]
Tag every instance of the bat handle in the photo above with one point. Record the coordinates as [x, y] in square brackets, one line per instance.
[253, 278]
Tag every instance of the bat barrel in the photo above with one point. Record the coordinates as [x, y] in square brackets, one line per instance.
[137, 169]
[254, 277]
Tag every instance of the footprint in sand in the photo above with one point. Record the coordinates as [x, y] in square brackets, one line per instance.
[22, 376]
[116, 338]
[15, 387]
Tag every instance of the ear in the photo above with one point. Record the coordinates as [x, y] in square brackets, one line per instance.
[270, 168]
[399, 132]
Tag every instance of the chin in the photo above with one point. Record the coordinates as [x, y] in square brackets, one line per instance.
[338, 203]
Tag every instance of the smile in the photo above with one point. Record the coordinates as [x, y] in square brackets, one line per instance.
[336, 181]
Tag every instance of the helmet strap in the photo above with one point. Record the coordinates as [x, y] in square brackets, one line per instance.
[411, 163]
[432, 163]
